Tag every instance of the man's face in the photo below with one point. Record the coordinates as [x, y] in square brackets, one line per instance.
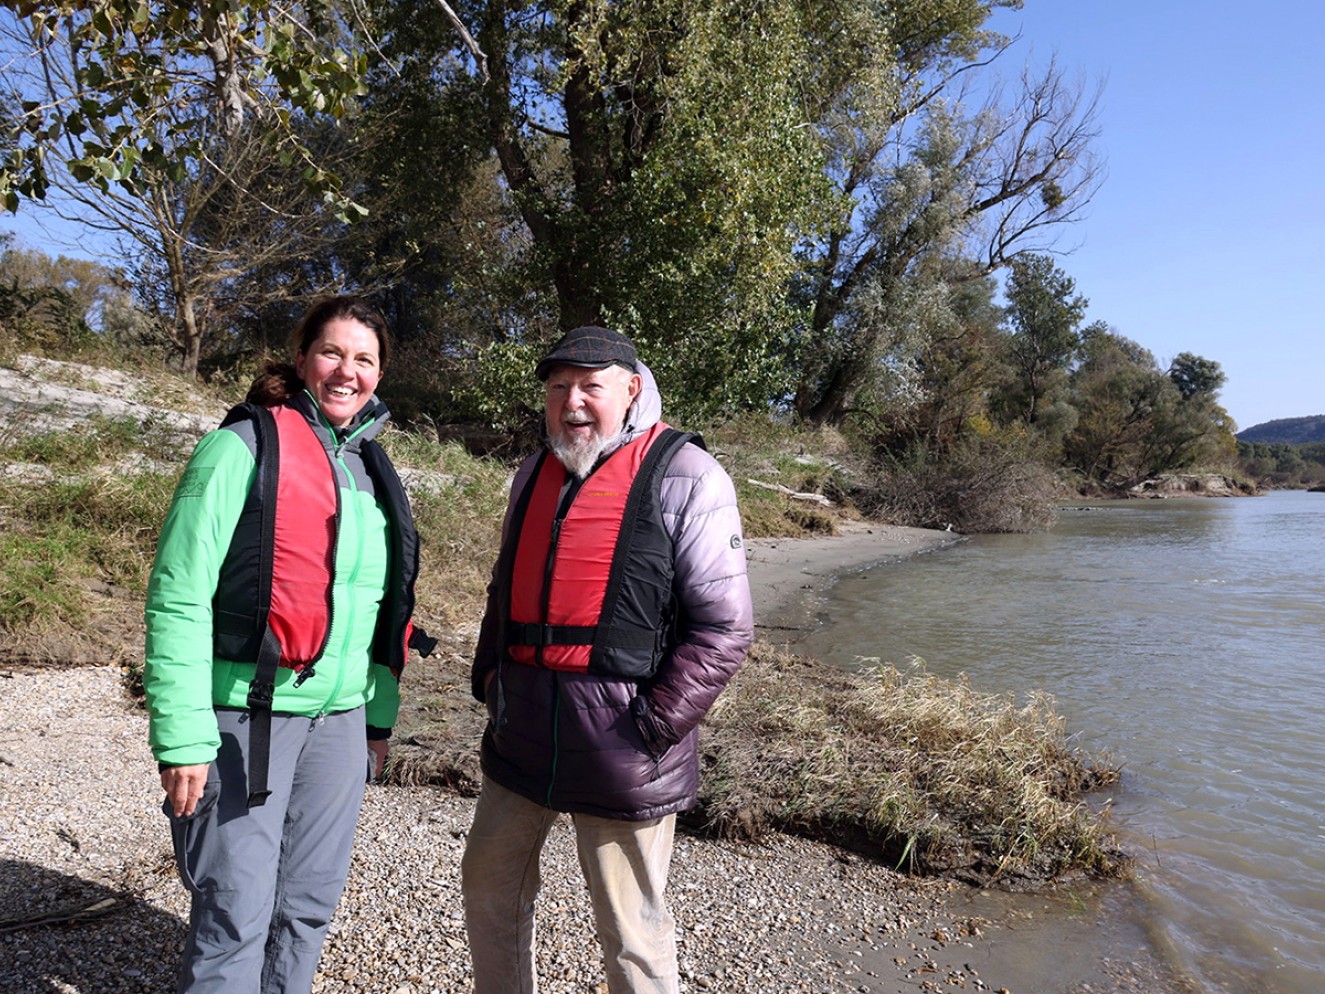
[585, 410]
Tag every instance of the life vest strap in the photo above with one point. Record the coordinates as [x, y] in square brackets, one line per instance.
[260, 694]
[619, 636]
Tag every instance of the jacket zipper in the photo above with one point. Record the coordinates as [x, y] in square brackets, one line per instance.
[556, 738]
[334, 459]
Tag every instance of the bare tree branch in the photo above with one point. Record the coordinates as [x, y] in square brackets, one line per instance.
[467, 38]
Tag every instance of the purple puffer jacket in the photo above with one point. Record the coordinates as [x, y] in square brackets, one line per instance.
[573, 741]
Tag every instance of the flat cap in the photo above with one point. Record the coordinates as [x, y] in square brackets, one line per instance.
[591, 347]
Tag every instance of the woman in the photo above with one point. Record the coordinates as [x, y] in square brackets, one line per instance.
[277, 624]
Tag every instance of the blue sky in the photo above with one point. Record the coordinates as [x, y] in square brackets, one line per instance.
[1208, 235]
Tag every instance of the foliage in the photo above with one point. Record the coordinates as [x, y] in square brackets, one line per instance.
[1135, 421]
[984, 484]
[1045, 313]
[135, 61]
[793, 208]
[755, 450]
[1283, 464]
[1296, 431]
[1195, 376]
[948, 198]
[659, 160]
[185, 134]
[42, 319]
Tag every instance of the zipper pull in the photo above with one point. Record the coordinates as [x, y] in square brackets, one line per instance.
[304, 674]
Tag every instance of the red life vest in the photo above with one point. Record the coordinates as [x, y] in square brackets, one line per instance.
[275, 587]
[274, 595]
[307, 503]
[590, 582]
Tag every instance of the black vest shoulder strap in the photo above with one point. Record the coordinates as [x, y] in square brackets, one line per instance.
[389, 643]
[643, 495]
[262, 496]
[263, 687]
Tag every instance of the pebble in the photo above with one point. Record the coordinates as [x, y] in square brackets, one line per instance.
[80, 821]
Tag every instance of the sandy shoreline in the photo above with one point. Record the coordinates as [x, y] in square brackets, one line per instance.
[79, 822]
[788, 575]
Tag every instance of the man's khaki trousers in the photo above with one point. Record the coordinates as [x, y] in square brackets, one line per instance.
[625, 864]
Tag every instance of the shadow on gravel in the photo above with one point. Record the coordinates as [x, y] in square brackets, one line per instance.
[60, 933]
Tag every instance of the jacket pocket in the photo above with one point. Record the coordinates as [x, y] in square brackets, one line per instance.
[647, 724]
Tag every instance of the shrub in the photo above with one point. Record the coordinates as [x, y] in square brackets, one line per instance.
[983, 486]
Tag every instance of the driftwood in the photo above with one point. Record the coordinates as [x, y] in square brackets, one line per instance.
[816, 498]
[73, 915]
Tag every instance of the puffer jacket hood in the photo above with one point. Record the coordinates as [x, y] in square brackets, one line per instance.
[610, 746]
[646, 411]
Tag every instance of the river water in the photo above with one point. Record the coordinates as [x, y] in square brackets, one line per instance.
[1186, 640]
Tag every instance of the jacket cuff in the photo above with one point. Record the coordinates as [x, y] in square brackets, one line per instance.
[376, 734]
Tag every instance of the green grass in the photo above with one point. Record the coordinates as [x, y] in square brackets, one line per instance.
[90, 523]
[458, 513]
[97, 441]
[36, 584]
[806, 461]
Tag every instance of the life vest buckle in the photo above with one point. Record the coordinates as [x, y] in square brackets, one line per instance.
[260, 694]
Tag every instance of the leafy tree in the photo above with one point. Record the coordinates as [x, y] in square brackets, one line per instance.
[89, 285]
[660, 159]
[976, 185]
[175, 133]
[1135, 421]
[1195, 376]
[1116, 391]
[932, 386]
[123, 68]
[443, 249]
[43, 302]
[1283, 464]
[1045, 313]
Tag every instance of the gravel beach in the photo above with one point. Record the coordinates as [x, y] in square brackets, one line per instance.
[81, 834]
[89, 900]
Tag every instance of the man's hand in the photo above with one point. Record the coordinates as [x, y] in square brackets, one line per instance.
[183, 786]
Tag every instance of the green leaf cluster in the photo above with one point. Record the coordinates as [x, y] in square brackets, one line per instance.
[149, 83]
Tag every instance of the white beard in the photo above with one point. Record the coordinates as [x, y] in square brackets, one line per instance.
[578, 455]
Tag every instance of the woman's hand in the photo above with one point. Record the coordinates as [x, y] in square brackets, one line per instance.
[378, 748]
[183, 786]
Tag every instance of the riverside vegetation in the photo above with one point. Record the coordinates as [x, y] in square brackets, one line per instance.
[928, 775]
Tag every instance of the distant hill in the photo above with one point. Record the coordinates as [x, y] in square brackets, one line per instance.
[1295, 431]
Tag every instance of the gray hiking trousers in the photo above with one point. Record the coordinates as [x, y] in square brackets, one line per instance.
[266, 880]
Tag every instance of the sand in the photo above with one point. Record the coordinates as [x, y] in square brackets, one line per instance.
[790, 576]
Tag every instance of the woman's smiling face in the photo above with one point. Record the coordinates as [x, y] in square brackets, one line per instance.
[341, 369]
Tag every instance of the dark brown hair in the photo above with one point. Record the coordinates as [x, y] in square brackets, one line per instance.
[278, 381]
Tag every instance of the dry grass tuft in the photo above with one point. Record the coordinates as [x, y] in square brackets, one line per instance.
[927, 773]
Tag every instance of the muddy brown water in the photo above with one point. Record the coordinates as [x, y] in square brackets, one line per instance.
[1186, 639]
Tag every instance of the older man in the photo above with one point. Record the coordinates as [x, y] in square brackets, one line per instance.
[618, 610]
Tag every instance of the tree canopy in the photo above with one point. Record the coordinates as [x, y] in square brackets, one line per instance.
[805, 208]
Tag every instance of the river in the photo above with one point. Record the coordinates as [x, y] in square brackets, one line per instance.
[1185, 639]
